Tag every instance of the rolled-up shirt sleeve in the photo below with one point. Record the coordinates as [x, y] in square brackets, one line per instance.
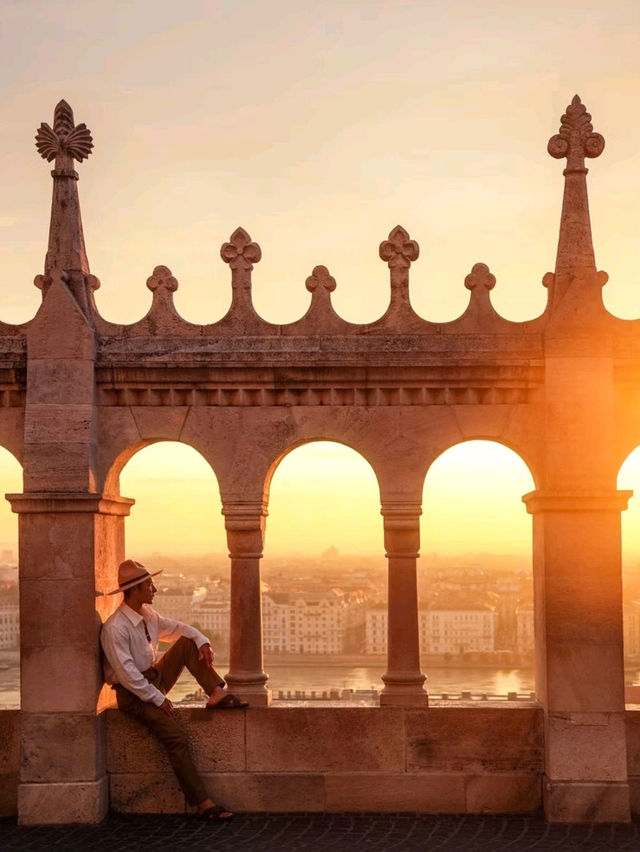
[116, 646]
[170, 630]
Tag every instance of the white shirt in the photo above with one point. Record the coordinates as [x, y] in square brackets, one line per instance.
[128, 652]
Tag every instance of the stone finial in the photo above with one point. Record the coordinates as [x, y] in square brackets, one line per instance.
[575, 260]
[399, 250]
[320, 280]
[66, 251]
[480, 277]
[576, 139]
[240, 252]
[162, 280]
[66, 139]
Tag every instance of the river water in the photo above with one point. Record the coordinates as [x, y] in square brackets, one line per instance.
[307, 678]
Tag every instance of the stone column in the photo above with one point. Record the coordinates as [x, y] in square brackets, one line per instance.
[579, 653]
[64, 543]
[245, 525]
[404, 681]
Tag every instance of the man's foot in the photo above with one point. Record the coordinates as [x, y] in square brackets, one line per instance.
[213, 813]
[229, 701]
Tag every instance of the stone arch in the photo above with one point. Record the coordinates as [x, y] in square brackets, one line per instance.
[11, 479]
[629, 479]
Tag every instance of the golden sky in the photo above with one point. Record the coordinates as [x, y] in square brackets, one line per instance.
[319, 127]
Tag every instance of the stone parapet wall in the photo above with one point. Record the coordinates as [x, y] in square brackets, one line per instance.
[439, 759]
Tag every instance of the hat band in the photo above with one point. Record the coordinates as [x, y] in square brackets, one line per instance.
[135, 580]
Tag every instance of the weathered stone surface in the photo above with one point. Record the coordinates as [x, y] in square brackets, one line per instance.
[8, 794]
[51, 804]
[60, 747]
[474, 740]
[71, 684]
[505, 793]
[146, 793]
[437, 792]
[632, 730]
[316, 740]
[10, 740]
[268, 791]
[217, 742]
[583, 802]
[583, 746]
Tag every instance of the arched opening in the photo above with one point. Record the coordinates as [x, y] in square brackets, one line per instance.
[11, 478]
[475, 573]
[323, 569]
[629, 478]
[176, 526]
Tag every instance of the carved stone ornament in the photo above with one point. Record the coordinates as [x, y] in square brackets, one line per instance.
[480, 276]
[399, 249]
[320, 278]
[576, 139]
[240, 251]
[65, 138]
[162, 279]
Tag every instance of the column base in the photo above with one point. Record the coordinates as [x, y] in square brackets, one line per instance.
[63, 803]
[257, 694]
[404, 689]
[585, 801]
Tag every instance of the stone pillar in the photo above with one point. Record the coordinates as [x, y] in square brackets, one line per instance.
[62, 538]
[245, 524]
[404, 681]
[579, 653]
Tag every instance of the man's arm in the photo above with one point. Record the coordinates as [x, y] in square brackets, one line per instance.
[169, 630]
[115, 644]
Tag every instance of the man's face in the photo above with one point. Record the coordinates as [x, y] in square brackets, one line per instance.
[145, 591]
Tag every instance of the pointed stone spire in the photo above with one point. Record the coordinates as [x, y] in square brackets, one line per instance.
[575, 141]
[65, 143]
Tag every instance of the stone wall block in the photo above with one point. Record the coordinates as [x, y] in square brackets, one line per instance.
[146, 793]
[9, 741]
[313, 740]
[579, 677]
[59, 747]
[475, 740]
[586, 802]
[217, 744]
[60, 679]
[634, 795]
[59, 329]
[154, 423]
[51, 424]
[271, 792]
[425, 792]
[8, 794]
[586, 747]
[51, 381]
[506, 793]
[58, 466]
[64, 802]
[130, 747]
[57, 546]
[56, 612]
[632, 728]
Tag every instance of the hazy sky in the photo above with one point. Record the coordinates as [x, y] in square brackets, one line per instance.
[318, 127]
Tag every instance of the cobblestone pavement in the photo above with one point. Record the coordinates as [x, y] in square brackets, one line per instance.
[292, 832]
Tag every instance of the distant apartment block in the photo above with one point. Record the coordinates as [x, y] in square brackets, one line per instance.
[9, 621]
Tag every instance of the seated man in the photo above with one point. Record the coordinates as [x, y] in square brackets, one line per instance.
[129, 640]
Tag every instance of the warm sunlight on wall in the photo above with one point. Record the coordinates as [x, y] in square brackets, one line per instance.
[629, 478]
[177, 507]
[324, 495]
[11, 483]
[472, 501]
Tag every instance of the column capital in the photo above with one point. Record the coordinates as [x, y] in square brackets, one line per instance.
[576, 501]
[68, 501]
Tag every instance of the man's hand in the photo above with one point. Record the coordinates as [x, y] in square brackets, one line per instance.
[167, 707]
[205, 652]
